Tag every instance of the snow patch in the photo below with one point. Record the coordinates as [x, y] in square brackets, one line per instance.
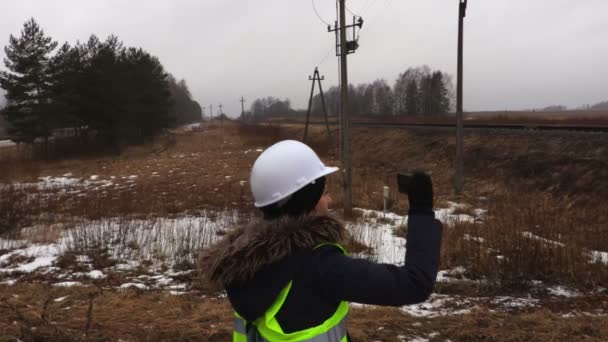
[563, 291]
[136, 285]
[598, 256]
[434, 307]
[68, 284]
[542, 239]
[96, 274]
[43, 255]
[473, 238]
[377, 231]
[9, 282]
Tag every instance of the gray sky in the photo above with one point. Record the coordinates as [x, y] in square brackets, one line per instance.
[519, 54]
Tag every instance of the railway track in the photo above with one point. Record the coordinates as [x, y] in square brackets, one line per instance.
[473, 126]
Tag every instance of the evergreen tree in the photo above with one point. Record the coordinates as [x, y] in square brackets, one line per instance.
[412, 106]
[67, 69]
[27, 83]
[185, 110]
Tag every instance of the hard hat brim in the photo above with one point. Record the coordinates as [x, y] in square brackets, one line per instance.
[327, 171]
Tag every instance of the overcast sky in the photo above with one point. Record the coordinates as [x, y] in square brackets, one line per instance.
[519, 54]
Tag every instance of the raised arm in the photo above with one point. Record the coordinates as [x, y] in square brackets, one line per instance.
[356, 280]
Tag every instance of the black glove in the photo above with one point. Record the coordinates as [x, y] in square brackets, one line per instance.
[419, 189]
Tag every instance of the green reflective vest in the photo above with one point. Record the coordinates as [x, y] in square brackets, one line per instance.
[267, 328]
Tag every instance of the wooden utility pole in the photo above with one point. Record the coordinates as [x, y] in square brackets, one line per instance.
[344, 47]
[459, 179]
[316, 78]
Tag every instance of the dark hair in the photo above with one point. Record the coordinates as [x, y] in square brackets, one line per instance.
[300, 203]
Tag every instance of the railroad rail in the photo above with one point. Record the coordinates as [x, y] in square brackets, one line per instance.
[470, 126]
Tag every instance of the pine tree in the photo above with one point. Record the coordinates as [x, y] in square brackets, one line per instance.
[439, 99]
[411, 98]
[27, 84]
[67, 71]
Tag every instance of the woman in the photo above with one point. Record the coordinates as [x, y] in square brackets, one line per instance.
[286, 275]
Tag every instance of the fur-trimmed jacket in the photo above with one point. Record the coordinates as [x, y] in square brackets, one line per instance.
[255, 262]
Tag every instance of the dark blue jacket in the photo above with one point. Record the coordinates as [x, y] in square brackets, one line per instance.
[254, 265]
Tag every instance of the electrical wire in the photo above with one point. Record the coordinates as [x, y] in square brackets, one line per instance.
[369, 4]
[351, 12]
[314, 7]
[378, 15]
[326, 56]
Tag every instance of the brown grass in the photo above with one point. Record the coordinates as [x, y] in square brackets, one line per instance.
[548, 186]
[15, 209]
[30, 312]
[531, 118]
[508, 251]
[552, 186]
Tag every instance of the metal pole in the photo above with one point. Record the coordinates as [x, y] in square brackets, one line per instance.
[459, 179]
[345, 136]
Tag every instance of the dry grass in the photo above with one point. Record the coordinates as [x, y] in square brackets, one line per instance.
[532, 240]
[15, 210]
[550, 186]
[534, 187]
[532, 118]
[31, 313]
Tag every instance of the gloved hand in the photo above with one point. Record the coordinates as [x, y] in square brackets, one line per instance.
[420, 192]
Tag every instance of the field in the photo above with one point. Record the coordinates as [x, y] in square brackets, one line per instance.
[104, 248]
[567, 117]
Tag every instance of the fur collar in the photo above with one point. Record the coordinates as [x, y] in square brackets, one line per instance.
[247, 249]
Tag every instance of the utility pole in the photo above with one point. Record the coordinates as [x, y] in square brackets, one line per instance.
[317, 78]
[345, 47]
[221, 116]
[210, 112]
[459, 179]
[242, 108]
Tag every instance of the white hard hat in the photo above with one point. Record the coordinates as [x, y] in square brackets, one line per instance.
[283, 169]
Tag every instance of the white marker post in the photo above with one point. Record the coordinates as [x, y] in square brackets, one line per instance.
[386, 194]
[242, 184]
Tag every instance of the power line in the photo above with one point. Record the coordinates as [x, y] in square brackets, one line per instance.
[379, 15]
[314, 7]
[351, 12]
[332, 48]
[369, 4]
[361, 10]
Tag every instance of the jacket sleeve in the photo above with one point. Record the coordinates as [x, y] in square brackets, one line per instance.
[363, 281]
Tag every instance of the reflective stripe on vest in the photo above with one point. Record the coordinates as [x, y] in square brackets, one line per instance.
[335, 334]
[267, 328]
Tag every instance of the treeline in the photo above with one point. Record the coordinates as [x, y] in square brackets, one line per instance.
[417, 91]
[101, 89]
[185, 110]
[269, 107]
